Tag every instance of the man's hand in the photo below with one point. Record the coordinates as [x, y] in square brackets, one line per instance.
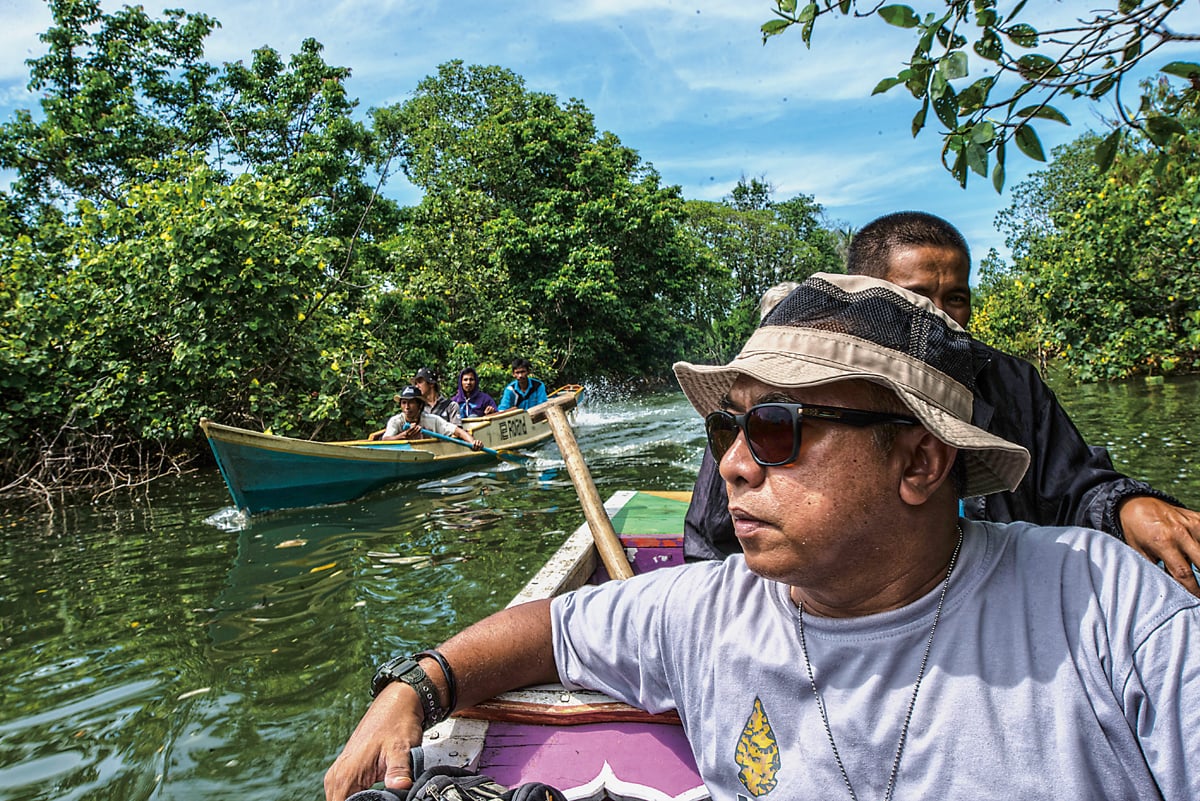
[1162, 532]
[378, 748]
[509, 649]
[476, 444]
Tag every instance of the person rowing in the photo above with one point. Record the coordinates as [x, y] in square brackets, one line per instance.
[413, 421]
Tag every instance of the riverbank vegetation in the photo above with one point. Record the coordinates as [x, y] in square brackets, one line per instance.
[183, 240]
[1105, 277]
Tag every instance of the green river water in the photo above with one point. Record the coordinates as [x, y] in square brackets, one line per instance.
[159, 647]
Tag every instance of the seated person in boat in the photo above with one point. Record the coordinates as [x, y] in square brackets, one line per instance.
[1068, 483]
[426, 380]
[867, 643]
[413, 421]
[472, 401]
[524, 390]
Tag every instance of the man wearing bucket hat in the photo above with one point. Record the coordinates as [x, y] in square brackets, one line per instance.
[413, 421]
[869, 643]
[1068, 482]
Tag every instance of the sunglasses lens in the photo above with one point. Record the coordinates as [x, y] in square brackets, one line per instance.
[771, 432]
[722, 431]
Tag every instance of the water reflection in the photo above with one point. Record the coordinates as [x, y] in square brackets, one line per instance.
[147, 653]
[1151, 430]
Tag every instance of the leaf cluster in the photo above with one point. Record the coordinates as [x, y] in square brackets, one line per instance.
[754, 243]
[546, 238]
[1020, 70]
[1106, 265]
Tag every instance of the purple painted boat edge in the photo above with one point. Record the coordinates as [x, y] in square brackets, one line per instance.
[643, 760]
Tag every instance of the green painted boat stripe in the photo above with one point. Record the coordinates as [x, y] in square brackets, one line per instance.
[650, 515]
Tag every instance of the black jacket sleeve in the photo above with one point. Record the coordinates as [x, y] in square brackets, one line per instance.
[1068, 481]
[707, 527]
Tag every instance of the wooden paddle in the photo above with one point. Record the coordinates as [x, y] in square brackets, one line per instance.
[506, 455]
[607, 544]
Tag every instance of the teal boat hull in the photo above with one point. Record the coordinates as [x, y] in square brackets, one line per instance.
[265, 472]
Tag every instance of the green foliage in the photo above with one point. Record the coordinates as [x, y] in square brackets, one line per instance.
[755, 243]
[189, 298]
[185, 241]
[120, 92]
[1084, 59]
[1106, 264]
[547, 238]
[1000, 309]
[294, 120]
[143, 285]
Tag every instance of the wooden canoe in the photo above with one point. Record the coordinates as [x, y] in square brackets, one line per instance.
[265, 472]
[585, 743]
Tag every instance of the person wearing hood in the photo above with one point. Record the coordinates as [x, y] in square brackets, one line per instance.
[472, 401]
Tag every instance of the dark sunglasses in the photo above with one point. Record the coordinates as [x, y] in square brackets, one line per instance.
[773, 429]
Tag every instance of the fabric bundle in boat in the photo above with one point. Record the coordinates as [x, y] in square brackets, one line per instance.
[447, 783]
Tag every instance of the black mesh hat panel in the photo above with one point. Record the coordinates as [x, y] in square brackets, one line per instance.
[880, 316]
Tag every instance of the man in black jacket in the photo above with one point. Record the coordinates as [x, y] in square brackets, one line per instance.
[1068, 482]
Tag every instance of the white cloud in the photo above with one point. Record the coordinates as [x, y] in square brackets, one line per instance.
[690, 85]
[20, 23]
[661, 12]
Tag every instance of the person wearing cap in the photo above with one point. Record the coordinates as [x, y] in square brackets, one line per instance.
[413, 421]
[1068, 483]
[471, 400]
[524, 391]
[867, 643]
[435, 403]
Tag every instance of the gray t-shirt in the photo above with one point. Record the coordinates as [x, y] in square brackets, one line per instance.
[432, 422]
[1064, 666]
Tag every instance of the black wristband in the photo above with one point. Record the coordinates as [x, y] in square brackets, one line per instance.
[451, 684]
[406, 669]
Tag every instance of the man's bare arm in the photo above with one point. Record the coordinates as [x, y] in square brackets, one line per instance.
[510, 649]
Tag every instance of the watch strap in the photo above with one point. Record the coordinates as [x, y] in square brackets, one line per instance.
[451, 684]
[407, 670]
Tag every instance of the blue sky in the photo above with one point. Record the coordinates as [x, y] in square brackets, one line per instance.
[689, 85]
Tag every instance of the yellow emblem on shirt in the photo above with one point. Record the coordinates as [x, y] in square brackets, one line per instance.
[757, 753]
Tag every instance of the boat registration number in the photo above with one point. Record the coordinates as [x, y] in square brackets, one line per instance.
[511, 429]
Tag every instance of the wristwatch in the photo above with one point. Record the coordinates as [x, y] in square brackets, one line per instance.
[406, 669]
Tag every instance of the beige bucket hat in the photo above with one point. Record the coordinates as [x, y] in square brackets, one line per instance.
[841, 327]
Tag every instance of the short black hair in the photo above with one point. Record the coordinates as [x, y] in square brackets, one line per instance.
[871, 247]
[521, 361]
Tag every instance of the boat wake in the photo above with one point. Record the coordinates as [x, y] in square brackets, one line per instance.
[228, 519]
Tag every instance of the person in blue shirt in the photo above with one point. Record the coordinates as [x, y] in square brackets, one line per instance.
[524, 391]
